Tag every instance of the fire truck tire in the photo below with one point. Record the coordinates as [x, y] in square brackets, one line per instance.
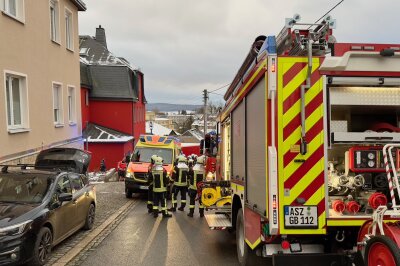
[381, 250]
[245, 255]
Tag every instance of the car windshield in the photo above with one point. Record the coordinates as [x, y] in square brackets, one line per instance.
[23, 188]
[144, 154]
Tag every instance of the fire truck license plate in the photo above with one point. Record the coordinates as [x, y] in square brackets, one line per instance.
[301, 217]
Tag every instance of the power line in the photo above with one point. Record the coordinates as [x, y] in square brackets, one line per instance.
[220, 88]
[327, 12]
[216, 93]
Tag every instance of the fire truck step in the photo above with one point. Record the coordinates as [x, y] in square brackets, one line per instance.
[218, 221]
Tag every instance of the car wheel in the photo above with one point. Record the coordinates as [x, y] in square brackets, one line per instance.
[91, 214]
[42, 248]
[128, 193]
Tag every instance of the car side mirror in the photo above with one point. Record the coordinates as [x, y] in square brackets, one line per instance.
[65, 197]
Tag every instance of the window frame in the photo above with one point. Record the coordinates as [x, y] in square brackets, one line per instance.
[60, 122]
[19, 9]
[56, 30]
[69, 29]
[71, 105]
[23, 99]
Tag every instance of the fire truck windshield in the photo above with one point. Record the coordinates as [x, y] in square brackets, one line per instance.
[144, 154]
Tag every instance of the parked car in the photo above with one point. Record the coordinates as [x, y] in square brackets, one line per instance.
[43, 204]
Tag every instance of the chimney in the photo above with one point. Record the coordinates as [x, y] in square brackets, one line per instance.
[101, 36]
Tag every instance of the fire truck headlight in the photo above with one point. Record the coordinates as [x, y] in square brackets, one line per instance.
[129, 174]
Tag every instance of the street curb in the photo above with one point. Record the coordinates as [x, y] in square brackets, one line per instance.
[71, 254]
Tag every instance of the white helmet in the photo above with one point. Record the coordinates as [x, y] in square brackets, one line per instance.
[158, 160]
[201, 159]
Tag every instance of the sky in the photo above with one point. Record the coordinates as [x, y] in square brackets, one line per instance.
[186, 46]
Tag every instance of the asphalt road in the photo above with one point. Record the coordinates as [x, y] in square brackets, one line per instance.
[140, 239]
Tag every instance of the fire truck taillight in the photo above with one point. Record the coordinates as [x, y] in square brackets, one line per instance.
[273, 65]
[274, 211]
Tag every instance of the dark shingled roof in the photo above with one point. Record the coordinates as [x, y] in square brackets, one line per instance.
[112, 82]
[108, 76]
[85, 80]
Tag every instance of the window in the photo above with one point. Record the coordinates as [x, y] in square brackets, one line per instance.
[16, 101]
[57, 104]
[87, 98]
[69, 40]
[63, 185]
[77, 183]
[13, 8]
[54, 25]
[71, 105]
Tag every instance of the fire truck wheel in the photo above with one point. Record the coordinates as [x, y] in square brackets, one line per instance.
[246, 256]
[381, 250]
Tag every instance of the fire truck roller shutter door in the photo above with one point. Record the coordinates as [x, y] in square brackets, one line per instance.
[256, 146]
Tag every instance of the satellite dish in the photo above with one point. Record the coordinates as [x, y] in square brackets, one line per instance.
[296, 17]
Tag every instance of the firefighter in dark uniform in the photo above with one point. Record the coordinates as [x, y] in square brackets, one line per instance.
[196, 175]
[150, 191]
[160, 180]
[179, 176]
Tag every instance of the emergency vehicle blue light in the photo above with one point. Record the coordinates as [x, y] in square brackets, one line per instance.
[269, 45]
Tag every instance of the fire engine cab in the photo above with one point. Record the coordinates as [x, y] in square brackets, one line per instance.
[310, 150]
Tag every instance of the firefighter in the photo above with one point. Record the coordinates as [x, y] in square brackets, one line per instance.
[158, 177]
[179, 176]
[196, 175]
[150, 190]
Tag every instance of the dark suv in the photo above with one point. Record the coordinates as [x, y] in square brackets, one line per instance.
[42, 204]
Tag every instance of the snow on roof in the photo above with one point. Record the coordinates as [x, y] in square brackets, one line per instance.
[157, 129]
[100, 134]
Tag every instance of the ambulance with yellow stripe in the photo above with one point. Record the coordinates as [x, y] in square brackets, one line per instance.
[168, 148]
[310, 144]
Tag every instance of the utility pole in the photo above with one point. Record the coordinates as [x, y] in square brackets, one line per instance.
[205, 98]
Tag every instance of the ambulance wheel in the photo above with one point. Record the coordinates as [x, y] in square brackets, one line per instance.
[245, 255]
[381, 250]
[128, 193]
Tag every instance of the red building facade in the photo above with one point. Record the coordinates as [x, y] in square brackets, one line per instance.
[113, 100]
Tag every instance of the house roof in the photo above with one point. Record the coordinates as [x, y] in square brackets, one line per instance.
[79, 4]
[95, 53]
[194, 133]
[159, 130]
[85, 80]
[98, 134]
[113, 82]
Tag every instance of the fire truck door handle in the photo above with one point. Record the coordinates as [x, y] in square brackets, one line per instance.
[299, 160]
[378, 138]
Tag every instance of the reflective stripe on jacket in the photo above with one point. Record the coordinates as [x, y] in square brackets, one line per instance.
[159, 181]
[181, 174]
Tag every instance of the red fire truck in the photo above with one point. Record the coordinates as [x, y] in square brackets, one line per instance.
[310, 150]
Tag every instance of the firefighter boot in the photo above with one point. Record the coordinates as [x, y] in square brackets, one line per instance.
[190, 214]
[182, 207]
[173, 209]
[201, 212]
[166, 215]
[155, 213]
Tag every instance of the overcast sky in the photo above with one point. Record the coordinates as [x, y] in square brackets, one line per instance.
[186, 46]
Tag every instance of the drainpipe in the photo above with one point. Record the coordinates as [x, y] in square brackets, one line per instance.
[303, 144]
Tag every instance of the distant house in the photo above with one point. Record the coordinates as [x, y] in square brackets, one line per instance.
[112, 96]
[157, 129]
